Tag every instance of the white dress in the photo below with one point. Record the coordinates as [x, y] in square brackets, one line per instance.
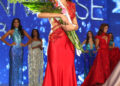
[114, 79]
[35, 64]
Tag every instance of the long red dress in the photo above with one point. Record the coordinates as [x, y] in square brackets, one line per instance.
[100, 70]
[114, 57]
[60, 69]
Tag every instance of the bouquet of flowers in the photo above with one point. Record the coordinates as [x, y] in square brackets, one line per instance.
[49, 6]
[38, 5]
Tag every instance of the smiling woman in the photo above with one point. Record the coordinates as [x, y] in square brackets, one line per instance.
[16, 52]
[35, 60]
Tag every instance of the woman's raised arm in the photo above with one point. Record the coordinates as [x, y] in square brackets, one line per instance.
[49, 15]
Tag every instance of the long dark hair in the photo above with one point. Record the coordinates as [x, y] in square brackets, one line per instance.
[87, 39]
[19, 27]
[38, 35]
[101, 29]
[112, 38]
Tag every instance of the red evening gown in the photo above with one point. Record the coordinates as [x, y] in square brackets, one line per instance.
[60, 69]
[100, 70]
[114, 57]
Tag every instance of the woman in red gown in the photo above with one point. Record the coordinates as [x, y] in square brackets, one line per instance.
[100, 70]
[60, 69]
[114, 53]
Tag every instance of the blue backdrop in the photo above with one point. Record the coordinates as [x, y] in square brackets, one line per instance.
[90, 14]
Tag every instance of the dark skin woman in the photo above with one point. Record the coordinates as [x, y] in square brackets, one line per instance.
[16, 52]
[16, 24]
[35, 37]
[35, 60]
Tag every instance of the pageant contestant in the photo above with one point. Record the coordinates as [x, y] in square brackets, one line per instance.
[100, 70]
[114, 53]
[35, 60]
[16, 52]
[89, 56]
[60, 69]
[111, 44]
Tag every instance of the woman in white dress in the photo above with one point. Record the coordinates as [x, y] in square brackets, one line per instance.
[114, 79]
[35, 60]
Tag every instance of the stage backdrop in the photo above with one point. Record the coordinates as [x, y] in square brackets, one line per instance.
[90, 14]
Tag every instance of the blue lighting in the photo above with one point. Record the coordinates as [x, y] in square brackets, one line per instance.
[90, 14]
[116, 9]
